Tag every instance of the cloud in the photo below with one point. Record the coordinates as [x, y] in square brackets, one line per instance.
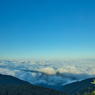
[48, 70]
[61, 70]
[7, 71]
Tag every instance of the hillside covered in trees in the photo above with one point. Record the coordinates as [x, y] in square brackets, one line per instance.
[80, 87]
[12, 86]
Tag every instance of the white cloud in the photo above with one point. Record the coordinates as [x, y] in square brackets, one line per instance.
[61, 70]
[48, 70]
[69, 70]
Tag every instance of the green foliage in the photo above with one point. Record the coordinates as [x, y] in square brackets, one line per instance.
[93, 92]
[93, 81]
[86, 93]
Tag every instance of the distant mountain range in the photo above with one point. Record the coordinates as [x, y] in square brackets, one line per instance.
[10, 85]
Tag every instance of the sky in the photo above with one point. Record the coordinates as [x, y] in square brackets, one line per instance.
[45, 29]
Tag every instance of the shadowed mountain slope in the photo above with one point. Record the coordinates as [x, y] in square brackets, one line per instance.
[12, 86]
[6, 79]
[79, 87]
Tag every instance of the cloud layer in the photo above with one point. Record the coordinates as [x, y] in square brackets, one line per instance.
[50, 72]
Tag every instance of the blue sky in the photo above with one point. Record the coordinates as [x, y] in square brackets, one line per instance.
[47, 29]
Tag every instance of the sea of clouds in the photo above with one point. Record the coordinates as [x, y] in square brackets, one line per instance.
[49, 72]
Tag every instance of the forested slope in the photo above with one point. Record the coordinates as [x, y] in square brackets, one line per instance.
[79, 87]
[12, 86]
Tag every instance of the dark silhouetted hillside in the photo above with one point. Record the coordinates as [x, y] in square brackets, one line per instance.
[79, 87]
[6, 79]
[12, 86]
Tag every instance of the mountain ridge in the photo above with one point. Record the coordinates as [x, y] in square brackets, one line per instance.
[10, 85]
[79, 87]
